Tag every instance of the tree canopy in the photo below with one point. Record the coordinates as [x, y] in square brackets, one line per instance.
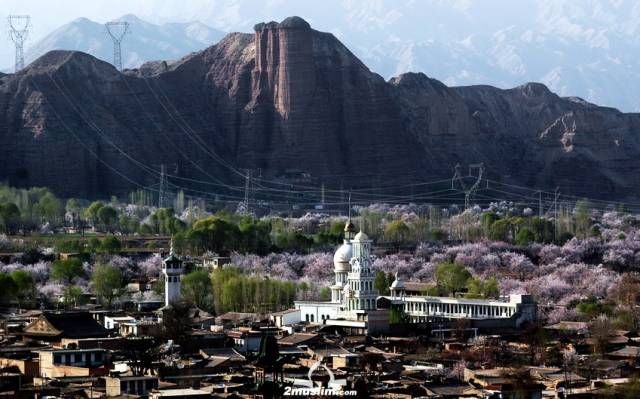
[451, 277]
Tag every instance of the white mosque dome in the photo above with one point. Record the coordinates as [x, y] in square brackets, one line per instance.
[342, 257]
[361, 236]
[398, 283]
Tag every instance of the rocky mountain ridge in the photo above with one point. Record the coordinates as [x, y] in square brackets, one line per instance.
[289, 97]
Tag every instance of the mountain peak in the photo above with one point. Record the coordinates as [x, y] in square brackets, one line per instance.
[287, 23]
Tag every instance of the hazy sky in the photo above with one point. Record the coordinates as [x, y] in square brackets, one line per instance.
[589, 48]
[364, 16]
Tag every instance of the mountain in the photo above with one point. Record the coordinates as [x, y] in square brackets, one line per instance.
[145, 41]
[586, 49]
[583, 48]
[290, 97]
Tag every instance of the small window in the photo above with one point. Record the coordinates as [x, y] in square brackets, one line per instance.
[98, 356]
[57, 358]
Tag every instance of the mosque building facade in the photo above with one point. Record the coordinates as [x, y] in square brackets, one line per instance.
[357, 307]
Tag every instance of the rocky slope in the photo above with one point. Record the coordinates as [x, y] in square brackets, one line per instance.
[288, 97]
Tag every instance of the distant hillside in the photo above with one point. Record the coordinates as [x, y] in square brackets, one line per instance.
[146, 41]
[290, 97]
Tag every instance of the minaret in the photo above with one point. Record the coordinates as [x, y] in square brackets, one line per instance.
[172, 271]
[341, 260]
[363, 293]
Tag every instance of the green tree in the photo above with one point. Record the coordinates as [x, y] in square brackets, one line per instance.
[477, 288]
[107, 283]
[176, 322]
[398, 316]
[524, 237]
[110, 245]
[543, 229]
[9, 217]
[197, 289]
[381, 283]
[72, 296]
[69, 246]
[214, 234]
[107, 217]
[487, 219]
[67, 270]
[49, 209]
[505, 229]
[91, 213]
[451, 277]
[74, 210]
[325, 294]
[254, 236]
[397, 232]
[583, 217]
[25, 286]
[7, 288]
[164, 221]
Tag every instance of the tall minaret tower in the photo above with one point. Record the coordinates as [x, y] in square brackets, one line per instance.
[341, 260]
[172, 271]
[363, 294]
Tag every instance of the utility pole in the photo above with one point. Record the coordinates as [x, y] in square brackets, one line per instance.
[555, 213]
[341, 195]
[18, 31]
[162, 190]
[112, 30]
[539, 192]
[322, 195]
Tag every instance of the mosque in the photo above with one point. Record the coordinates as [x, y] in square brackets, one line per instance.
[357, 307]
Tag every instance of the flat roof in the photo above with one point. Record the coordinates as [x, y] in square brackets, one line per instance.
[440, 299]
[180, 392]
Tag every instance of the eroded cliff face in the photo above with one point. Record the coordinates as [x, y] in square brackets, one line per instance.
[288, 97]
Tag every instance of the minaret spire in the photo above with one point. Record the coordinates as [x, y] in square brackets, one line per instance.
[349, 228]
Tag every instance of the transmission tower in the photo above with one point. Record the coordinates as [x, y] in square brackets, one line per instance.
[471, 192]
[112, 30]
[18, 31]
[245, 206]
[457, 177]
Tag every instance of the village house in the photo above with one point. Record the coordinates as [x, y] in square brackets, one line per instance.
[73, 362]
[130, 385]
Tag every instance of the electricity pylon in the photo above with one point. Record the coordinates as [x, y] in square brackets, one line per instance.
[18, 31]
[112, 30]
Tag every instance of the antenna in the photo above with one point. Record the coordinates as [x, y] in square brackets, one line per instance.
[18, 32]
[112, 30]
